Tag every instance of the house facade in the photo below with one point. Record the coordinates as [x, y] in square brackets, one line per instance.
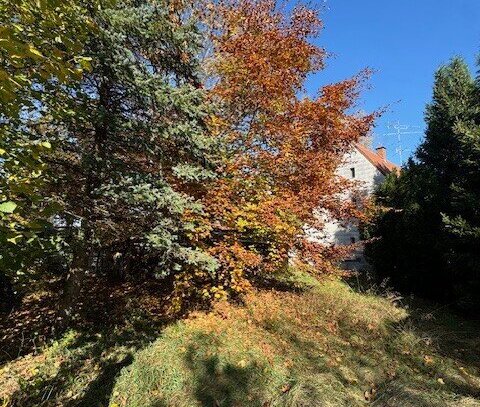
[370, 167]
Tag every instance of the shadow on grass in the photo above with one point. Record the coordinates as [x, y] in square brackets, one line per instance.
[414, 384]
[100, 390]
[85, 351]
[221, 383]
[215, 382]
[223, 386]
[92, 358]
[317, 376]
[455, 337]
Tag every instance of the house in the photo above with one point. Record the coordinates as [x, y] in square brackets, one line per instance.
[370, 168]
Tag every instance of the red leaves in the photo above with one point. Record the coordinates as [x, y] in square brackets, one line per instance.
[261, 56]
[281, 152]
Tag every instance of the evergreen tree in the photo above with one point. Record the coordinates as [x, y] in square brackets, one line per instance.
[131, 158]
[462, 221]
[430, 236]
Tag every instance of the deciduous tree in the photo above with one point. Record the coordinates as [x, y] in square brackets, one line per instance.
[41, 48]
[282, 149]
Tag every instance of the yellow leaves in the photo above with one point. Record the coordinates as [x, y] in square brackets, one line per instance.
[242, 363]
[84, 62]
[428, 360]
[216, 121]
[32, 51]
[7, 207]
[242, 223]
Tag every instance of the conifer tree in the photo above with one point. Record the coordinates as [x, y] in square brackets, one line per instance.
[429, 242]
[131, 158]
[462, 220]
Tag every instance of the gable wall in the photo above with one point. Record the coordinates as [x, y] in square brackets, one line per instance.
[335, 233]
[365, 171]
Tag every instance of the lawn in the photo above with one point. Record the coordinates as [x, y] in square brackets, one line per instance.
[295, 342]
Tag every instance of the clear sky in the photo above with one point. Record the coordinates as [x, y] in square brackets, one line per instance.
[404, 41]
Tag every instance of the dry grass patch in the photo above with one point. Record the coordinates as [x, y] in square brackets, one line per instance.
[304, 343]
[325, 345]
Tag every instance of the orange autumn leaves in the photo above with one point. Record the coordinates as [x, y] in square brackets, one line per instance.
[281, 151]
[261, 58]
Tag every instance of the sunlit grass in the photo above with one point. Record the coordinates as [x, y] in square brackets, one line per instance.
[296, 341]
[325, 346]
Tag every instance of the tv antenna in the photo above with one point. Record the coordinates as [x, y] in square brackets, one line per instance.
[399, 130]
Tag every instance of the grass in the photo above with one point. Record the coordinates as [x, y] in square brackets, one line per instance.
[80, 368]
[325, 345]
[300, 342]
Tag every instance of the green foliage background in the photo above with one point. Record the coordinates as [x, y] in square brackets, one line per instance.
[430, 231]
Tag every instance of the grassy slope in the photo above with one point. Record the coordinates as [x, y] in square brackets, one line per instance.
[324, 346]
[304, 344]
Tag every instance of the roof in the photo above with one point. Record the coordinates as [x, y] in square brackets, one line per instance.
[381, 163]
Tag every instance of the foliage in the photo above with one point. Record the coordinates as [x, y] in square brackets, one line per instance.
[126, 152]
[41, 49]
[281, 150]
[40, 41]
[429, 239]
[132, 162]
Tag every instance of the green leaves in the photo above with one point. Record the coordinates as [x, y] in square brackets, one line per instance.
[39, 41]
[7, 207]
[41, 46]
[129, 152]
[33, 52]
[85, 63]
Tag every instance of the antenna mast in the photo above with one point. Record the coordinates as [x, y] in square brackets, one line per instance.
[399, 130]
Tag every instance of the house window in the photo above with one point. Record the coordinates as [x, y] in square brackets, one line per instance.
[352, 240]
[352, 172]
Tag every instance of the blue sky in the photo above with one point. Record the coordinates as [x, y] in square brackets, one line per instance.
[404, 41]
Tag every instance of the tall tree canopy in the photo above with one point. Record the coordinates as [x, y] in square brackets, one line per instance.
[41, 49]
[429, 241]
[281, 149]
[131, 160]
[178, 142]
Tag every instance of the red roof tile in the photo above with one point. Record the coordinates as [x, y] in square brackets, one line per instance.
[382, 164]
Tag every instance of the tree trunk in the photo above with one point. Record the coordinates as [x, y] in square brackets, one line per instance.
[7, 295]
[81, 261]
[74, 282]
